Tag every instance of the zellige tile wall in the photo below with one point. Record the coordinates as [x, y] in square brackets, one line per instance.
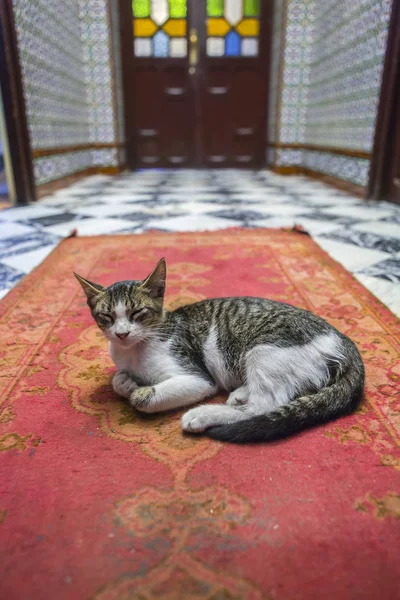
[65, 56]
[332, 69]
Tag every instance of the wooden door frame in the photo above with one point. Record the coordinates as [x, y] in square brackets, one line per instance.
[385, 130]
[128, 58]
[14, 109]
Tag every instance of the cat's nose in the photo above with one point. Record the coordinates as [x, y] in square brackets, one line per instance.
[122, 336]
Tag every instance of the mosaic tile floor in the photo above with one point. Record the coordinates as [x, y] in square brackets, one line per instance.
[363, 237]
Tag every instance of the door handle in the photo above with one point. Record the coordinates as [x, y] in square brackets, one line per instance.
[193, 51]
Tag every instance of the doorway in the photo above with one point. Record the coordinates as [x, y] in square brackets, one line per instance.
[195, 79]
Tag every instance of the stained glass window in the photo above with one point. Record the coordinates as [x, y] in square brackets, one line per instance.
[233, 27]
[159, 28]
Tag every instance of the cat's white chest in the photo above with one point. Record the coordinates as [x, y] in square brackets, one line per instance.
[150, 363]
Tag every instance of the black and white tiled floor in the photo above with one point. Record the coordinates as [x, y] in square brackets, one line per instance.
[364, 237]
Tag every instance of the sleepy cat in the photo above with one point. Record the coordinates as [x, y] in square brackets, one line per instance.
[285, 368]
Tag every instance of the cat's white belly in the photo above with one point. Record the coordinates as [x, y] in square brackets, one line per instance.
[151, 363]
[215, 363]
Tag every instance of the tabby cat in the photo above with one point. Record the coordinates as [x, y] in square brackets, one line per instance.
[285, 368]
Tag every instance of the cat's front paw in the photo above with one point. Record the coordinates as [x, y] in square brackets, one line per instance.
[141, 398]
[123, 384]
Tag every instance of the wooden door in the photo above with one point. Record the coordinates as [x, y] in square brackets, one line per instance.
[159, 95]
[232, 81]
[195, 79]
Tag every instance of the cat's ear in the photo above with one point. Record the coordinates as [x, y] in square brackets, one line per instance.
[154, 284]
[91, 289]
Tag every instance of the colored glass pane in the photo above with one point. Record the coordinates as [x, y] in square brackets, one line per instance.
[248, 27]
[175, 27]
[215, 8]
[159, 11]
[217, 27]
[233, 11]
[232, 44]
[177, 9]
[251, 8]
[178, 47]
[141, 8]
[215, 46]
[249, 47]
[144, 27]
[143, 47]
[160, 44]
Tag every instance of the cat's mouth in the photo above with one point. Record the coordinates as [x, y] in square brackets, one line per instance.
[129, 341]
[125, 342]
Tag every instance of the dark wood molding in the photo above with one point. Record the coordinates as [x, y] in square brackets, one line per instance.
[14, 108]
[127, 56]
[285, 170]
[110, 170]
[329, 149]
[41, 152]
[266, 31]
[282, 49]
[340, 184]
[385, 127]
[52, 186]
[115, 48]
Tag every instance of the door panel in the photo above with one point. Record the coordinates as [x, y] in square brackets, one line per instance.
[197, 82]
[163, 124]
[233, 81]
[233, 114]
[163, 116]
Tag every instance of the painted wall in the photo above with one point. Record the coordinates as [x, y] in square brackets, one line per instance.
[67, 63]
[326, 89]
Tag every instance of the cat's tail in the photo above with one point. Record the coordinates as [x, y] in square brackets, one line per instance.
[339, 398]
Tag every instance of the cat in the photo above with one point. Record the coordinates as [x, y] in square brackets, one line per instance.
[285, 369]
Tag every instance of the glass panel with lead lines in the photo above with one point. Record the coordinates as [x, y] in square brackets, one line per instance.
[233, 27]
[160, 28]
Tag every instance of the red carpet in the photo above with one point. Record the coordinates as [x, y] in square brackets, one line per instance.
[97, 502]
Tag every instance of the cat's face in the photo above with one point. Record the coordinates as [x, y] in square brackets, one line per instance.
[128, 312]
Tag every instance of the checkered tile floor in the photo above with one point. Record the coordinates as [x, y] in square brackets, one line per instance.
[364, 237]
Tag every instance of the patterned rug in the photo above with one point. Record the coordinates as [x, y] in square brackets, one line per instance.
[97, 502]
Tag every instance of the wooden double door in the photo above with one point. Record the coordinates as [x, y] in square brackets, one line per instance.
[195, 78]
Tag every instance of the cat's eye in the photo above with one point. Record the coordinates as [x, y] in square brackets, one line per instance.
[138, 314]
[105, 318]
